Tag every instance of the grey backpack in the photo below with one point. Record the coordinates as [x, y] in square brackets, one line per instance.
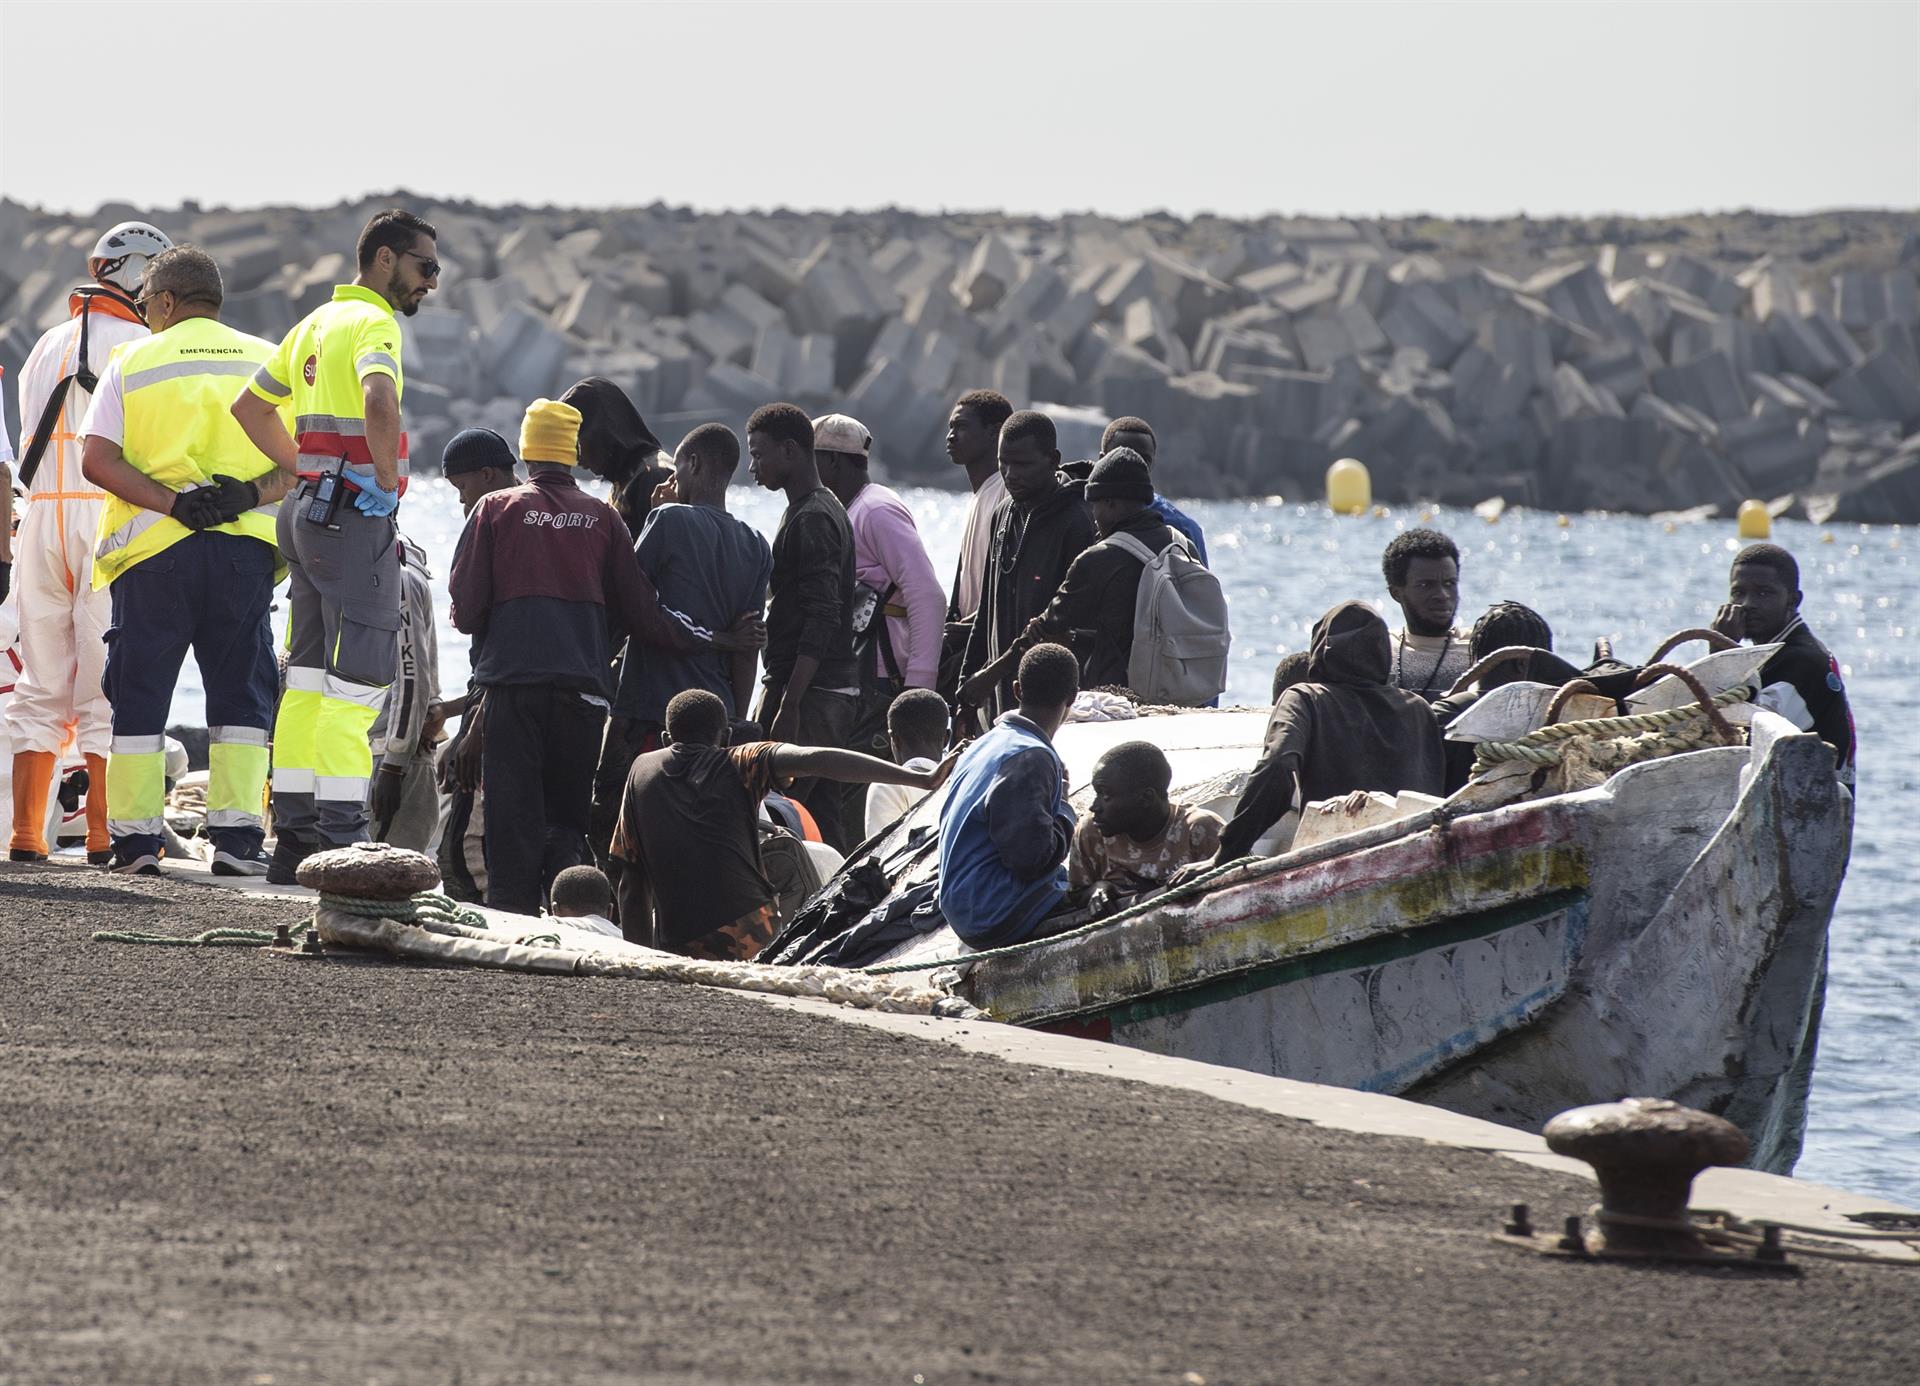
[1180, 635]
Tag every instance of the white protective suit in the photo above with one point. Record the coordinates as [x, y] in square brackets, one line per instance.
[63, 620]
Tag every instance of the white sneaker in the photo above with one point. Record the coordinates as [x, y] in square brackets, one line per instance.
[227, 864]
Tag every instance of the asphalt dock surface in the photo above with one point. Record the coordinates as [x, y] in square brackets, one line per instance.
[218, 1166]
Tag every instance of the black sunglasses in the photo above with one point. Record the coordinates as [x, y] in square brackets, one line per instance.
[432, 265]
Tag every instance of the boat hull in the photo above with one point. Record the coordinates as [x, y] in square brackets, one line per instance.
[1661, 935]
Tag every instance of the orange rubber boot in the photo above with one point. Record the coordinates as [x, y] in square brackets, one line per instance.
[99, 840]
[32, 781]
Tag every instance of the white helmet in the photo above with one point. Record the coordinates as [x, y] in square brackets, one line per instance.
[120, 257]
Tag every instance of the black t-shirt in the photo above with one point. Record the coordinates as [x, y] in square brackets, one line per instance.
[687, 822]
[1819, 698]
[810, 597]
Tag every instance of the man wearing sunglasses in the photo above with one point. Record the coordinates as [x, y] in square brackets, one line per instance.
[338, 372]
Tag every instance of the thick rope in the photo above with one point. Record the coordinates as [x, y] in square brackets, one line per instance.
[1538, 747]
[1197, 886]
[212, 938]
[424, 906]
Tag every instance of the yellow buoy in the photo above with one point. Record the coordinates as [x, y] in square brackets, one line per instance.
[1349, 487]
[1755, 522]
[1562, 521]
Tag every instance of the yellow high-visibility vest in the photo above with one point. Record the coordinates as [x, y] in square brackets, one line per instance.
[177, 390]
[319, 370]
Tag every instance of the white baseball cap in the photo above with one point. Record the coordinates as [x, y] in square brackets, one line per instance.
[841, 433]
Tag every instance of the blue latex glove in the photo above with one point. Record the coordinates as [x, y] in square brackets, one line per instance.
[371, 500]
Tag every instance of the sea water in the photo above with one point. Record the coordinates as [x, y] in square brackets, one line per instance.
[1633, 581]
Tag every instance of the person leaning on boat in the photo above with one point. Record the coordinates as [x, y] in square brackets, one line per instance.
[1346, 728]
[1802, 682]
[1006, 825]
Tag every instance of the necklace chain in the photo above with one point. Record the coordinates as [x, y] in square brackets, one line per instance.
[1400, 663]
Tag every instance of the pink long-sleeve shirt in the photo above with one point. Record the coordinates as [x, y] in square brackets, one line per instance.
[887, 552]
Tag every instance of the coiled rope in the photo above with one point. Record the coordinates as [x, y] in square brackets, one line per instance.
[1542, 747]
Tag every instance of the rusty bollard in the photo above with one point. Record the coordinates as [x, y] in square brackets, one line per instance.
[1646, 1151]
[369, 871]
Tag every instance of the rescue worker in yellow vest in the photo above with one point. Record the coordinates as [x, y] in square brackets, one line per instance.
[339, 371]
[186, 551]
[58, 708]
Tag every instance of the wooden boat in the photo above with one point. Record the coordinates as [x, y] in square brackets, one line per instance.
[1661, 934]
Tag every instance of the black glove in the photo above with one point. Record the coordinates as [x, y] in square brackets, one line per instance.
[6, 580]
[385, 799]
[197, 509]
[237, 497]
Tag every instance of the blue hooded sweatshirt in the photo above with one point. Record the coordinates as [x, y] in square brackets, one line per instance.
[1004, 835]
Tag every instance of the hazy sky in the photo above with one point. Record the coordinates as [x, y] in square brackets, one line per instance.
[1453, 109]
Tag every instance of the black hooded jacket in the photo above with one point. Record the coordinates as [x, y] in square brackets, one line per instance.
[616, 443]
[1345, 728]
[1027, 560]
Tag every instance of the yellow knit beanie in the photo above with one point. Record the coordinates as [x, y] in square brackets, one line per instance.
[550, 433]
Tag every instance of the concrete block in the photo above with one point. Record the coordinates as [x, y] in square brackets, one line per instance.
[1365, 285]
[836, 299]
[248, 262]
[989, 274]
[1476, 376]
[1577, 293]
[1710, 383]
[1221, 348]
[738, 390]
[1074, 314]
[522, 355]
[1862, 299]
[767, 272]
[1748, 346]
[1621, 373]
[1289, 403]
[1307, 295]
[754, 310]
[441, 346]
[1270, 279]
[1773, 452]
[1422, 319]
[1819, 402]
[1902, 339]
[1802, 349]
[1772, 288]
[1716, 290]
[639, 284]
[588, 312]
[1518, 343]
[1676, 418]
[314, 285]
[1145, 325]
[1574, 397]
[1129, 280]
[1838, 340]
[1881, 387]
[721, 335]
